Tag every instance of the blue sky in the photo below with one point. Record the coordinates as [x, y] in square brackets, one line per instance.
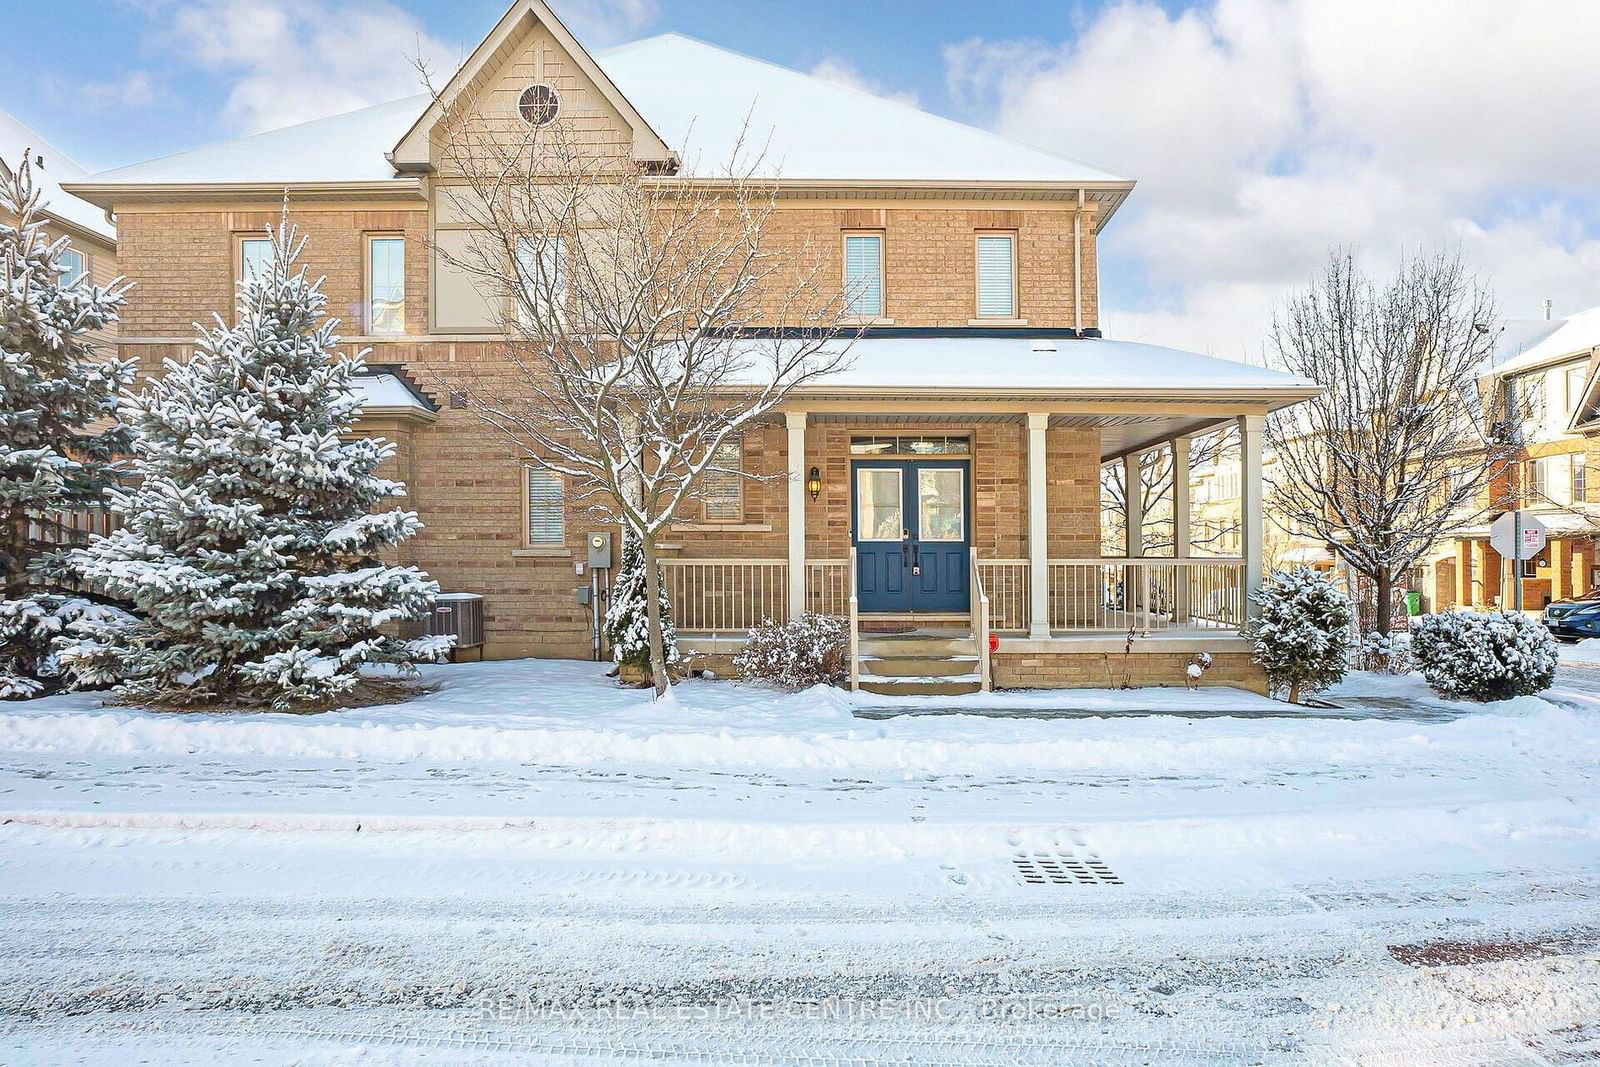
[1263, 133]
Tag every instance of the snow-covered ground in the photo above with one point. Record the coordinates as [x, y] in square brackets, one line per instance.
[530, 863]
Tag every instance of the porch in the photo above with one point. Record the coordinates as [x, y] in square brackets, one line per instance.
[957, 481]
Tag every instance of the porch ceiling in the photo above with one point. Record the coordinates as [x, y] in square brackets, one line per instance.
[1119, 433]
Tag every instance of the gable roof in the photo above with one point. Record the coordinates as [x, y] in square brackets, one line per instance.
[699, 95]
[413, 151]
[695, 95]
[16, 138]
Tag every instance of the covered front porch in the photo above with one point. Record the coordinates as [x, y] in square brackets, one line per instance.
[969, 512]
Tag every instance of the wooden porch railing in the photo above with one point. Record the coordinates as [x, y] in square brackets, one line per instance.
[719, 596]
[828, 586]
[1150, 593]
[1006, 582]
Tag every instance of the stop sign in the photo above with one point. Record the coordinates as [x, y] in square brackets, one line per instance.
[1503, 536]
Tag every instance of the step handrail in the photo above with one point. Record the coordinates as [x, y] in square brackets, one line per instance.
[855, 627]
[980, 622]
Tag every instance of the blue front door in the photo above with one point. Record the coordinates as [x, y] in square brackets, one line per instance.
[912, 534]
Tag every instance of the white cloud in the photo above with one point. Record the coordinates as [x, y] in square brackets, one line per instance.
[294, 60]
[133, 90]
[843, 72]
[599, 23]
[1262, 132]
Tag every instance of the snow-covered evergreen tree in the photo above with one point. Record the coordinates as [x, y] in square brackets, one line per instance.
[627, 622]
[57, 440]
[1484, 655]
[250, 542]
[1302, 636]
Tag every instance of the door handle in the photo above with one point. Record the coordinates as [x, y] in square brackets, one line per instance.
[905, 554]
[916, 559]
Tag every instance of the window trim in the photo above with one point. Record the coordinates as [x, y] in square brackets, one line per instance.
[83, 266]
[528, 470]
[737, 496]
[883, 273]
[977, 277]
[366, 280]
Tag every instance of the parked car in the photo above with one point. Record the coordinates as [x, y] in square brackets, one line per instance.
[1576, 617]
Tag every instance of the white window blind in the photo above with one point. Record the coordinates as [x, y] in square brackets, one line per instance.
[724, 488]
[546, 508]
[863, 274]
[386, 281]
[996, 276]
[541, 264]
[255, 258]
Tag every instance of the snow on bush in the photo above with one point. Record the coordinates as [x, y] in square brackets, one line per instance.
[1484, 655]
[1302, 634]
[627, 619]
[809, 650]
[32, 628]
[1386, 653]
[252, 540]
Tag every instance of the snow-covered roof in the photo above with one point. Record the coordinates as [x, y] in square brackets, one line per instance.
[697, 96]
[16, 138]
[387, 393]
[988, 364]
[343, 148]
[1540, 341]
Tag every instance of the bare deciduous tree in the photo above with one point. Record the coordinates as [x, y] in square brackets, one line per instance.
[649, 318]
[1393, 454]
[1157, 473]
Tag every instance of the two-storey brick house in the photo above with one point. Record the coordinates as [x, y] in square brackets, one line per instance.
[954, 465]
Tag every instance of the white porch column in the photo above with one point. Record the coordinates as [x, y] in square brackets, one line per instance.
[1182, 535]
[1038, 528]
[1252, 430]
[796, 421]
[1133, 504]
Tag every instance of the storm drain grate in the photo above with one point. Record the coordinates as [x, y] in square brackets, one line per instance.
[1063, 868]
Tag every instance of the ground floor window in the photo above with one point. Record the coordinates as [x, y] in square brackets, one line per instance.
[545, 505]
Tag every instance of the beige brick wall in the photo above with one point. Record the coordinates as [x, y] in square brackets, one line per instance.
[1096, 670]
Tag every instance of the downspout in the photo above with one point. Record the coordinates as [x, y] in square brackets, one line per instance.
[1077, 267]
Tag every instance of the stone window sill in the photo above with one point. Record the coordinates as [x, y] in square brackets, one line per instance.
[722, 527]
[997, 322]
[542, 553]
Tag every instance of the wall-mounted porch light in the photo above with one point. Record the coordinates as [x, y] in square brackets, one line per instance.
[814, 483]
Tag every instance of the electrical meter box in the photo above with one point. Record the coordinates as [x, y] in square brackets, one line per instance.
[600, 550]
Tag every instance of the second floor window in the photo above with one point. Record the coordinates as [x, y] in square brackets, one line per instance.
[74, 266]
[1579, 477]
[997, 276]
[386, 285]
[541, 267]
[1536, 481]
[863, 274]
[255, 258]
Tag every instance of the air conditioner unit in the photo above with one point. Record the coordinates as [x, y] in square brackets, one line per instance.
[456, 614]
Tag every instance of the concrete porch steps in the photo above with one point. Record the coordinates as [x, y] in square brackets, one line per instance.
[932, 662]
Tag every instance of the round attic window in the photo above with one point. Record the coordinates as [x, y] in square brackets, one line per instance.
[538, 105]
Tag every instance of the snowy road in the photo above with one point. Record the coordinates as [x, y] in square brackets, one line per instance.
[1361, 891]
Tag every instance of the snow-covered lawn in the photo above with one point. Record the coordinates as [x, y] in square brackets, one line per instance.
[529, 837]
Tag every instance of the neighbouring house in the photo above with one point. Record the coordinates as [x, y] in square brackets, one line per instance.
[947, 485]
[1542, 382]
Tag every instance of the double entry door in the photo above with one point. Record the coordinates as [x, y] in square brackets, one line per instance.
[912, 533]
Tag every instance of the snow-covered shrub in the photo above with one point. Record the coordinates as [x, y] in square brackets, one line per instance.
[1196, 670]
[627, 619]
[1484, 655]
[1302, 634]
[809, 650]
[1386, 653]
[251, 541]
[31, 630]
[58, 440]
